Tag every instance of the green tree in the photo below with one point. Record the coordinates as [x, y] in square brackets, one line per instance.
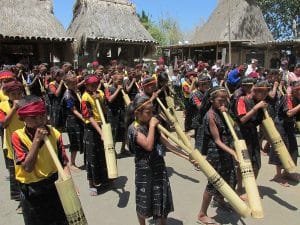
[152, 28]
[279, 16]
[170, 27]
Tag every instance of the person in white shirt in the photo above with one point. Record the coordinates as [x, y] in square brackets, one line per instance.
[251, 67]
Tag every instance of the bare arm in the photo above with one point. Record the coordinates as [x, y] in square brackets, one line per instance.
[216, 136]
[147, 142]
[292, 112]
[96, 126]
[112, 97]
[253, 111]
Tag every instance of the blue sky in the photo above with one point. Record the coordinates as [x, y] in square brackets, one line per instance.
[189, 13]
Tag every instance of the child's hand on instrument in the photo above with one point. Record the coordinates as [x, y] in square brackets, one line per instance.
[223, 108]
[261, 105]
[153, 122]
[40, 133]
[15, 104]
[235, 156]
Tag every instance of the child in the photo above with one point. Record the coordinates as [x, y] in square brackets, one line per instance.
[116, 110]
[57, 90]
[288, 113]
[93, 137]
[10, 122]
[250, 115]
[219, 153]
[72, 117]
[35, 170]
[195, 103]
[153, 192]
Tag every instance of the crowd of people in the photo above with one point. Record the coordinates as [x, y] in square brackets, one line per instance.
[46, 101]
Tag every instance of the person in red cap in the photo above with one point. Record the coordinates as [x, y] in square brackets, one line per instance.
[10, 122]
[5, 76]
[93, 137]
[34, 171]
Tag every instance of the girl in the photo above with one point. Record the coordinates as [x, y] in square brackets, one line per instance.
[219, 153]
[153, 192]
[72, 117]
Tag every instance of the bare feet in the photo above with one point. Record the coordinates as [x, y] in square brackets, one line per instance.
[205, 220]
[74, 168]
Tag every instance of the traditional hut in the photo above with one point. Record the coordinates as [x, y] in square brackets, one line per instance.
[108, 29]
[30, 33]
[238, 22]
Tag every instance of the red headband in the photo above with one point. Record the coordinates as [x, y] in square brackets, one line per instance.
[149, 83]
[32, 109]
[6, 75]
[92, 80]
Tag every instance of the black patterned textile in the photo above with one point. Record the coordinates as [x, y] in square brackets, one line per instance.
[220, 160]
[94, 155]
[41, 204]
[153, 191]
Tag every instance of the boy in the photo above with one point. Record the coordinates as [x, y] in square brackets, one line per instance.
[35, 170]
[10, 122]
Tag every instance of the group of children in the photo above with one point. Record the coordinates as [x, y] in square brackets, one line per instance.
[71, 103]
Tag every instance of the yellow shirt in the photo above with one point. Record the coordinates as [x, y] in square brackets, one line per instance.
[14, 124]
[88, 98]
[44, 166]
[185, 94]
[3, 97]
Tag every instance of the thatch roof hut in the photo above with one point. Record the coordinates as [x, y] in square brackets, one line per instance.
[102, 26]
[211, 40]
[247, 24]
[31, 26]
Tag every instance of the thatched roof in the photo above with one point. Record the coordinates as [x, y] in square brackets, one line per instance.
[30, 20]
[247, 24]
[107, 20]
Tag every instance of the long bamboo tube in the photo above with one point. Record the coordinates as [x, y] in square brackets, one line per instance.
[41, 86]
[247, 171]
[214, 178]
[109, 149]
[278, 144]
[27, 91]
[175, 123]
[66, 191]
[125, 97]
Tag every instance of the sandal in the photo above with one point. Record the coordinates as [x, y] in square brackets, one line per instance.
[93, 191]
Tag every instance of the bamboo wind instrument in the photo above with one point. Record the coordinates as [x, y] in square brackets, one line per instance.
[298, 126]
[27, 91]
[172, 118]
[138, 87]
[214, 178]
[66, 190]
[277, 143]
[170, 101]
[247, 171]
[227, 89]
[125, 97]
[109, 149]
[41, 86]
